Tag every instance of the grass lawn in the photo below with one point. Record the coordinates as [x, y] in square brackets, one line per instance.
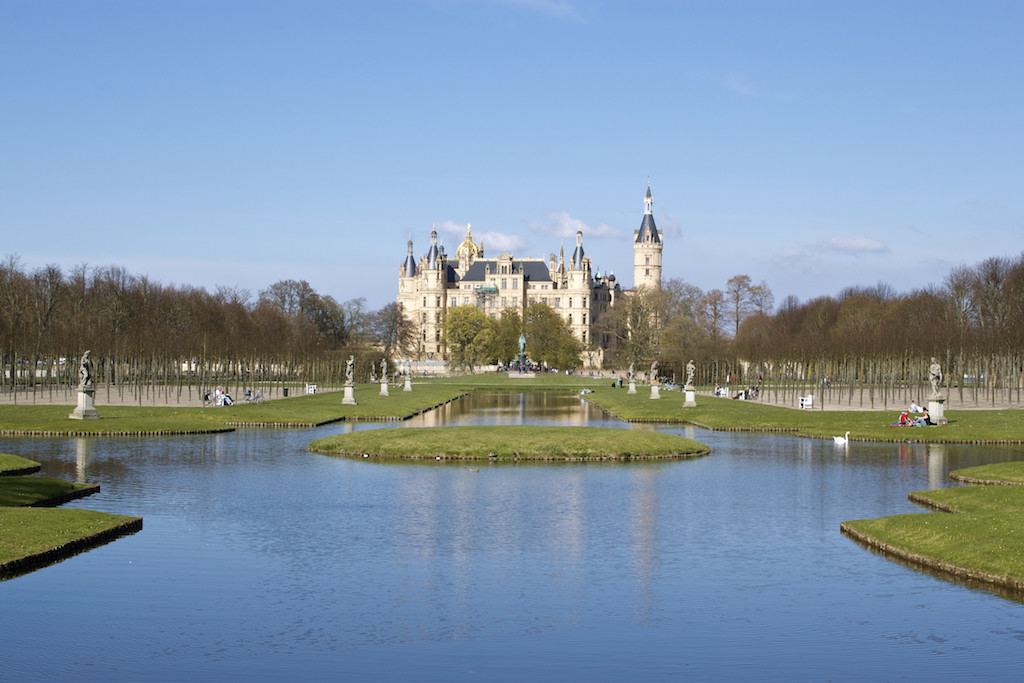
[314, 409]
[20, 491]
[33, 537]
[965, 426]
[510, 443]
[982, 539]
[305, 410]
[15, 464]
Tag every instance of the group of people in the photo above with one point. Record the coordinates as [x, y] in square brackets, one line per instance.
[223, 398]
[915, 416]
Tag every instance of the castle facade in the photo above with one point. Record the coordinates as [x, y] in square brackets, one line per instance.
[432, 285]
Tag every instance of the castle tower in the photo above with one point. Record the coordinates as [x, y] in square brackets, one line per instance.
[647, 249]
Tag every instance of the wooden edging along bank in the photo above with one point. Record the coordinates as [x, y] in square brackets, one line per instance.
[21, 471]
[502, 461]
[350, 418]
[140, 432]
[983, 482]
[929, 563]
[23, 565]
[65, 497]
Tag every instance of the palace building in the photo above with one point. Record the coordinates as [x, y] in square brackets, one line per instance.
[433, 284]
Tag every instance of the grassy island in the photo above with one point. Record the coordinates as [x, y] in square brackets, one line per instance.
[976, 533]
[510, 443]
[33, 535]
[965, 426]
[298, 411]
[15, 465]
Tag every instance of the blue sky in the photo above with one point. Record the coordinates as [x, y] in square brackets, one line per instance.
[810, 144]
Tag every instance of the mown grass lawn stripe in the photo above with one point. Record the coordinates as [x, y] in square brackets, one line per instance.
[510, 443]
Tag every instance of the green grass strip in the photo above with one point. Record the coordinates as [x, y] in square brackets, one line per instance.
[15, 465]
[965, 426]
[326, 407]
[20, 491]
[510, 443]
[34, 537]
[297, 411]
[983, 538]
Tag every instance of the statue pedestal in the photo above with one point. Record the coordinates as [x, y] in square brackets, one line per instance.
[408, 383]
[85, 409]
[691, 399]
[384, 388]
[349, 399]
[936, 410]
[632, 387]
[655, 392]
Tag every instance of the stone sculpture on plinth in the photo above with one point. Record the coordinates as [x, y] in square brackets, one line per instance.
[86, 409]
[408, 376]
[653, 376]
[936, 403]
[691, 394]
[632, 380]
[384, 377]
[350, 369]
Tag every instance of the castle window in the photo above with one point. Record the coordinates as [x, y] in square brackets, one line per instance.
[584, 318]
[544, 300]
[558, 302]
[647, 271]
[438, 304]
[424, 302]
[504, 302]
[570, 302]
[455, 301]
[647, 261]
[465, 300]
[504, 283]
[570, 318]
[584, 334]
[515, 284]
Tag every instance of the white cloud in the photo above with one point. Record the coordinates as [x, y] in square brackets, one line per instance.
[553, 8]
[668, 226]
[852, 245]
[497, 242]
[797, 261]
[738, 83]
[561, 224]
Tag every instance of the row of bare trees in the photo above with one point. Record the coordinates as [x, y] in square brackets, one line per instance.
[147, 337]
[869, 344]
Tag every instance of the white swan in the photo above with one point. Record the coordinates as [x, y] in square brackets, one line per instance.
[842, 440]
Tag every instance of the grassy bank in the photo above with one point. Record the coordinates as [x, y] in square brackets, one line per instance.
[298, 411]
[965, 426]
[24, 491]
[510, 443]
[33, 537]
[315, 409]
[15, 465]
[978, 534]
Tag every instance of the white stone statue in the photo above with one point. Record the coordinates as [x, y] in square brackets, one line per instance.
[85, 372]
[350, 370]
[690, 370]
[935, 377]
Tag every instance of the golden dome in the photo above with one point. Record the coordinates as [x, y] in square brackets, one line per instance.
[469, 247]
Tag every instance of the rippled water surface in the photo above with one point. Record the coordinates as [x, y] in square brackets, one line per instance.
[259, 560]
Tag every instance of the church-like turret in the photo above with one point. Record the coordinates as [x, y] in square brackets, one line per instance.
[647, 249]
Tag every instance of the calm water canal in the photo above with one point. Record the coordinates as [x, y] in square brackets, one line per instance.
[262, 561]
